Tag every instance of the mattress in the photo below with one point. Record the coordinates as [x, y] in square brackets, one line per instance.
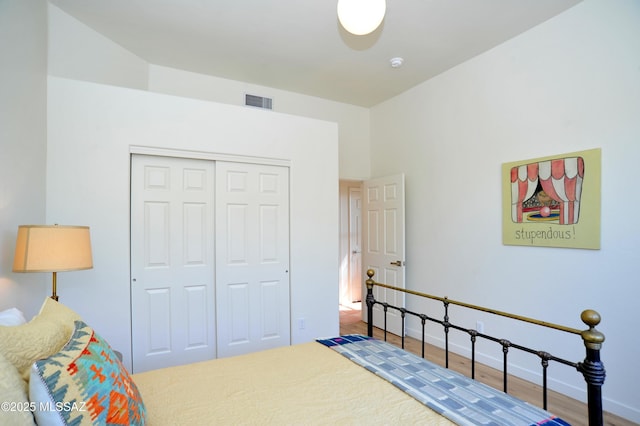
[302, 384]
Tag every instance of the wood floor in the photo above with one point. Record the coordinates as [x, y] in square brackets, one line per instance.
[567, 408]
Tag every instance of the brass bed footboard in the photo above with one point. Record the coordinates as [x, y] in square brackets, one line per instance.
[591, 367]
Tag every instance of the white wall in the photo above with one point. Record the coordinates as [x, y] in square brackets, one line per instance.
[23, 49]
[353, 121]
[570, 84]
[91, 128]
[77, 51]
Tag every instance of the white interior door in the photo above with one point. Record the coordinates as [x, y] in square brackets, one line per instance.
[384, 244]
[355, 244]
[252, 257]
[172, 261]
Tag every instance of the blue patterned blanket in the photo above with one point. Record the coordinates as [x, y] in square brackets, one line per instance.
[460, 399]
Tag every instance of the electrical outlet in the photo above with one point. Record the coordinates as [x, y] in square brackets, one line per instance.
[479, 326]
[301, 323]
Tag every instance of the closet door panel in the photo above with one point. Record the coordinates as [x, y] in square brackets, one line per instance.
[172, 261]
[252, 243]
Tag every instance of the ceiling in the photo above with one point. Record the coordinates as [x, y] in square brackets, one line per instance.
[299, 45]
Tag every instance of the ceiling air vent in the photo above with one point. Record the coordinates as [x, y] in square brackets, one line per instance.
[258, 101]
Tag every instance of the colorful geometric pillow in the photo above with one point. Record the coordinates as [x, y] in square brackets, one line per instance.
[85, 384]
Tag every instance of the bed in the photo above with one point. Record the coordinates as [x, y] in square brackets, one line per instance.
[63, 372]
[307, 383]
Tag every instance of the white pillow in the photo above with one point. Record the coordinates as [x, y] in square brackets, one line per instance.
[12, 316]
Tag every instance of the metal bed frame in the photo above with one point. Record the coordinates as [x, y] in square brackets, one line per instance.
[591, 368]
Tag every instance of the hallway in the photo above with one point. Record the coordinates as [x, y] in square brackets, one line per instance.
[350, 313]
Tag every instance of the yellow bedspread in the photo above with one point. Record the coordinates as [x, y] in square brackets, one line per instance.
[301, 384]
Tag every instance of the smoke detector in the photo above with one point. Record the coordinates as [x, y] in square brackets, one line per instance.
[396, 62]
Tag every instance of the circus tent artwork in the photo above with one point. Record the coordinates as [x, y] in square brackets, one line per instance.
[553, 201]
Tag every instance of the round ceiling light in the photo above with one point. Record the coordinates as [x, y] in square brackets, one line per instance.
[361, 17]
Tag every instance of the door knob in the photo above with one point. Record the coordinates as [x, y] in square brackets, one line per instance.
[397, 263]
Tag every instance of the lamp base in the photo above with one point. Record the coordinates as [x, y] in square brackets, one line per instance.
[54, 286]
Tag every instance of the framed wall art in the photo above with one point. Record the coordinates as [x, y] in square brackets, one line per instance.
[552, 201]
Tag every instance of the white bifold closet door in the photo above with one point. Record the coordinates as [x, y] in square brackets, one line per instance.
[209, 259]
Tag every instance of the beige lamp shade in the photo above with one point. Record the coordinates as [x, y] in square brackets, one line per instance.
[52, 248]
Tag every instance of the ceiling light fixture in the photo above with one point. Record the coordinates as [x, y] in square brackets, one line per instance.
[361, 17]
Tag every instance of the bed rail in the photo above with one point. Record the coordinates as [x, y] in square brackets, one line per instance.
[591, 367]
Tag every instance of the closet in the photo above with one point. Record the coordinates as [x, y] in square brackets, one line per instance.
[209, 259]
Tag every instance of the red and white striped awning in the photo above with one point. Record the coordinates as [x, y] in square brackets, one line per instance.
[561, 179]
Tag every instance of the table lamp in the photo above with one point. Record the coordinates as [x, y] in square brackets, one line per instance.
[52, 248]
